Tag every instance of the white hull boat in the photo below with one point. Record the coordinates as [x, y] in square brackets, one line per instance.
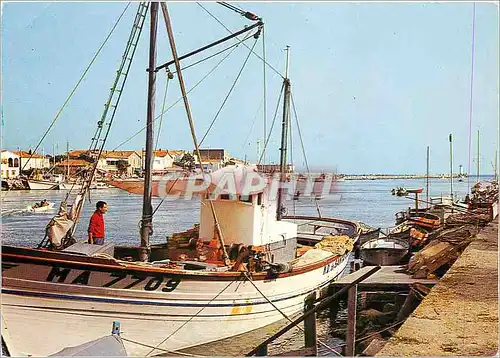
[78, 186]
[221, 278]
[151, 304]
[41, 209]
[42, 185]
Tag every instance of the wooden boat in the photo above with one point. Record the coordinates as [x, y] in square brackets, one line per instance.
[385, 251]
[368, 235]
[426, 220]
[244, 267]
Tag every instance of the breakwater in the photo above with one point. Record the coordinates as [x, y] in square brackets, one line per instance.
[399, 176]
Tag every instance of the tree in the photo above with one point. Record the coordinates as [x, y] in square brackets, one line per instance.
[122, 166]
[187, 161]
[61, 158]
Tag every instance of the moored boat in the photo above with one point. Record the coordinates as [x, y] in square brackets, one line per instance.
[244, 267]
[384, 251]
[42, 185]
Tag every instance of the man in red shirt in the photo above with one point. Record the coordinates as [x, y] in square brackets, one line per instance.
[96, 225]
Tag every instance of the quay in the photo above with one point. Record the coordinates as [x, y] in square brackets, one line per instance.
[388, 278]
[459, 316]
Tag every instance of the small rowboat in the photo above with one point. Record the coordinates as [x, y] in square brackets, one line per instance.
[40, 209]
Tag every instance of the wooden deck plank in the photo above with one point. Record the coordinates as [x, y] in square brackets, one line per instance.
[386, 276]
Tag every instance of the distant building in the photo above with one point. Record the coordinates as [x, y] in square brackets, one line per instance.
[10, 164]
[163, 160]
[126, 161]
[130, 158]
[37, 161]
[212, 159]
[274, 168]
[73, 165]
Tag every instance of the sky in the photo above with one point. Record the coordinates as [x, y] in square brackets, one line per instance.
[373, 84]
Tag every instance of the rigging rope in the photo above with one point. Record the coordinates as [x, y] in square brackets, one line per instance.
[160, 349]
[304, 150]
[291, 162]
[252, 125]
[228, 30]
[265, 88]
[284, 314]
[471, 91]
[231, 7]
[228, 94]
[181, 98]
[77, 85]
[162, 108]
[272, 124]
[190, 318]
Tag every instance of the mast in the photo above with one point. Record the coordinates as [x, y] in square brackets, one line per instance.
[427, 179]
[284, 135]
[451, 168]
[176, 60]
[478, 156]
[147, 209]
[495, 167]
[67, 161]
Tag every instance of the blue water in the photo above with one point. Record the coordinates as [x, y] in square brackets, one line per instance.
[369, 201]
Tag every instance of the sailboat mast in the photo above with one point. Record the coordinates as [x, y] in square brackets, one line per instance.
[427, 179]
[284, 135]
[147, 209]
[451, 168]
[168, 25]
[496, 164]
[478, 156]
[67, 161]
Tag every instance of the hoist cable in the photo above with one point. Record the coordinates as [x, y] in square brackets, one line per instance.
[228, 30]
[304, 151]
[228, 94]
[272, 124]
[180, 98]
[162, 111]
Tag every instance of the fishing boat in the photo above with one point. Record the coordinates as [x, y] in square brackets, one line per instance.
[426, 220]
[244, 266]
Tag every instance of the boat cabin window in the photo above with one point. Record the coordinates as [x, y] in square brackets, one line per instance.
[246, 198]
[227, 197]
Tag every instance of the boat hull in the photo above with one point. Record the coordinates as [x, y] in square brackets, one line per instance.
[79, 300]
[42, 209]
[385, 251]
[42, 185]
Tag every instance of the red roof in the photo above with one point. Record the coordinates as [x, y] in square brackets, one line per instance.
[24, 154]
[73, 163]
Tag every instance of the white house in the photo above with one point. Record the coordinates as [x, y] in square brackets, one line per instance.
[131, 158]
[37, 161]
[10, 164]
[163, 160]
[110, 160]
